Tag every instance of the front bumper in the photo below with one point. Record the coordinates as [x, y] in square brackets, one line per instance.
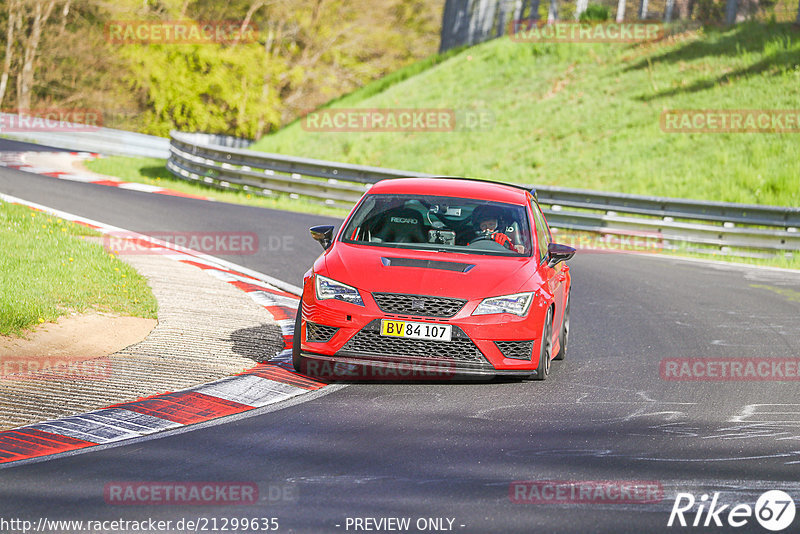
[360, 367]
[477, 348]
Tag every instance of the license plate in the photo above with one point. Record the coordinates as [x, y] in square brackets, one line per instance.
[438, 332]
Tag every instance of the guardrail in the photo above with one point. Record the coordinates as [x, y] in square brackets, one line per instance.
[78, 137]
[700, 226]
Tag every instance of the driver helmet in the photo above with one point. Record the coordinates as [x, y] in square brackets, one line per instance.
[485, 213]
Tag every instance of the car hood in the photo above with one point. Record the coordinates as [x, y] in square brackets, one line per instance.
[394, 270]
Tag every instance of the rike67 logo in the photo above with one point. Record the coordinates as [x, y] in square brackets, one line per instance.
[774, 510]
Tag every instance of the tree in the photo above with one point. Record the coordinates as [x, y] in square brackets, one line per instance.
[26, 24]
[552, 13]
[35, 22]
[580, 7]
[534, 14]
[501, 20]
[58, 54]
[730, 12]
[519, 9]
[668, 11]
[11, 26]
[621, 10]
[486, 19]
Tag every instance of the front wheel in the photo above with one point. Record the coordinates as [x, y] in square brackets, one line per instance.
[564, 338]
[298, 361]
[546, 348]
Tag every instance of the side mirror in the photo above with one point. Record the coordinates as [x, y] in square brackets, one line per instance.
[557, 253]
[323, 235]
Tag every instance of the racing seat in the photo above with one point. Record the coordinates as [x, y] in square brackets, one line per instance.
[401, 225]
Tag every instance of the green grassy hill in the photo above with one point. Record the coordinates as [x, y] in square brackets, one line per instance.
[587, 116]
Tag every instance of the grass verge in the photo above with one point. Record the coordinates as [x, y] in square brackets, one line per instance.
[588, 115]
[47, 270]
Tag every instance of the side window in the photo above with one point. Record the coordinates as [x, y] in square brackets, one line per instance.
[542, 232]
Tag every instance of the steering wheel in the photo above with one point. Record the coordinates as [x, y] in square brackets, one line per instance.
[482, 237]
[490, 237]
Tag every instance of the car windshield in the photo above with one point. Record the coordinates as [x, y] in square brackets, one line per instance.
[440, 223]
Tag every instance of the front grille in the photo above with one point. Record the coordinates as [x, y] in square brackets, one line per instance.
[369, 342]
[319, 333]
[418, 305]
[519, 350]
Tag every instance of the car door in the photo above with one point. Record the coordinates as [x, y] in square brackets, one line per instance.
[554, 277]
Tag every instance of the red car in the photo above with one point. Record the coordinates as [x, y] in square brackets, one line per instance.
[436, 276]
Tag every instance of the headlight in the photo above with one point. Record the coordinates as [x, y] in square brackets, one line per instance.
[517, 304]
[331, 289]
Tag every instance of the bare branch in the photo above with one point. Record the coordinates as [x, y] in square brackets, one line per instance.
[13, 5]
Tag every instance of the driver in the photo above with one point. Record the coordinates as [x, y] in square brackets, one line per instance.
[486, 220]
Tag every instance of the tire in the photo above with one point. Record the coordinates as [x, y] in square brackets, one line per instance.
[564, 337]
[546, 348]
[298, 361]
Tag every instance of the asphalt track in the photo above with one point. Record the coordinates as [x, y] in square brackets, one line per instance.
[452, 449]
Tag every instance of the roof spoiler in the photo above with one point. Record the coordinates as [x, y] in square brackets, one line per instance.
[531, 190]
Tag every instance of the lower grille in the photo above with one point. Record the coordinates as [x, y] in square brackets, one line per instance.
[369, 342]
[519, 350]
[319, 333]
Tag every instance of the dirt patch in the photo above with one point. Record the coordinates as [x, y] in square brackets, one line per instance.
[560, 83]
[76, 337]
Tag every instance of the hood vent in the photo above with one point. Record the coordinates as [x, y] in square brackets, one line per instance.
[428, 264]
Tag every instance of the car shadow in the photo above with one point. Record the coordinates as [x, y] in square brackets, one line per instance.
[259, 343]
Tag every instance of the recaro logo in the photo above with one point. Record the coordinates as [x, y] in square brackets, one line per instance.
[774, 510]
[404, 220]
